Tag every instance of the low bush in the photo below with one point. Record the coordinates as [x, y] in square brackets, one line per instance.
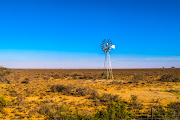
[102, 114]
[104, 75]
[4, 72]
[46, 77]
[61, 88]
[56, 76]
[17, 77]
[82, 91]
[3, 101]
[159, 112]
[45, 109]
[169, 78]
[20, 100]
[175, 91]
[138, 77]
[176, 79]
[4, 79]
[75, 74]
[8, 71]
[68, 89]
[172, 111]
[31, 112]
[94, 94]
[74, 77]
[78, 76]
[134, 104]
[85, 77]
[115, 111]
[109, 98]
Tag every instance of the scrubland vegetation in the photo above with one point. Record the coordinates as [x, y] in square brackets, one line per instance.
[85, 94]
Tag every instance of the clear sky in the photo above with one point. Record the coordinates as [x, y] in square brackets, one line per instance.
[68, 33]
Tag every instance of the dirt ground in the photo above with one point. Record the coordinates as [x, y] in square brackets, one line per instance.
[34, 93]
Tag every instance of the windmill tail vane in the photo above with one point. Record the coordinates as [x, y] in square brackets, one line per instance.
[106, 47]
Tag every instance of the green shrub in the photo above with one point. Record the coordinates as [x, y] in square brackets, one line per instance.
[56, 112]
[134, 104]
[115, 111]
[159, 112]
[3, 101]
[104, 75]
[174, 91]
[102, 114]
[172, 111]
[118, 110]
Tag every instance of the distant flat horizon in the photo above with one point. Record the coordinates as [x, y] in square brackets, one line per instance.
[85, 68]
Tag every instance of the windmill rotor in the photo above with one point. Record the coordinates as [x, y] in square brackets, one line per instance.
[106, 45]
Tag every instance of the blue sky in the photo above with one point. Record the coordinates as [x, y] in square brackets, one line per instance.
[68, 33]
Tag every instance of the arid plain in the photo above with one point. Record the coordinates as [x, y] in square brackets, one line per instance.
[84, 93]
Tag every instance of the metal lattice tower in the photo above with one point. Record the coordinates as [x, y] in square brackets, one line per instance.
[106, 47]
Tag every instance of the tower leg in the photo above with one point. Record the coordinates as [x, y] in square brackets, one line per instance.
[108, 66]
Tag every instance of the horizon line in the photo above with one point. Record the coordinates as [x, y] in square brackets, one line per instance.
[92, 68]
